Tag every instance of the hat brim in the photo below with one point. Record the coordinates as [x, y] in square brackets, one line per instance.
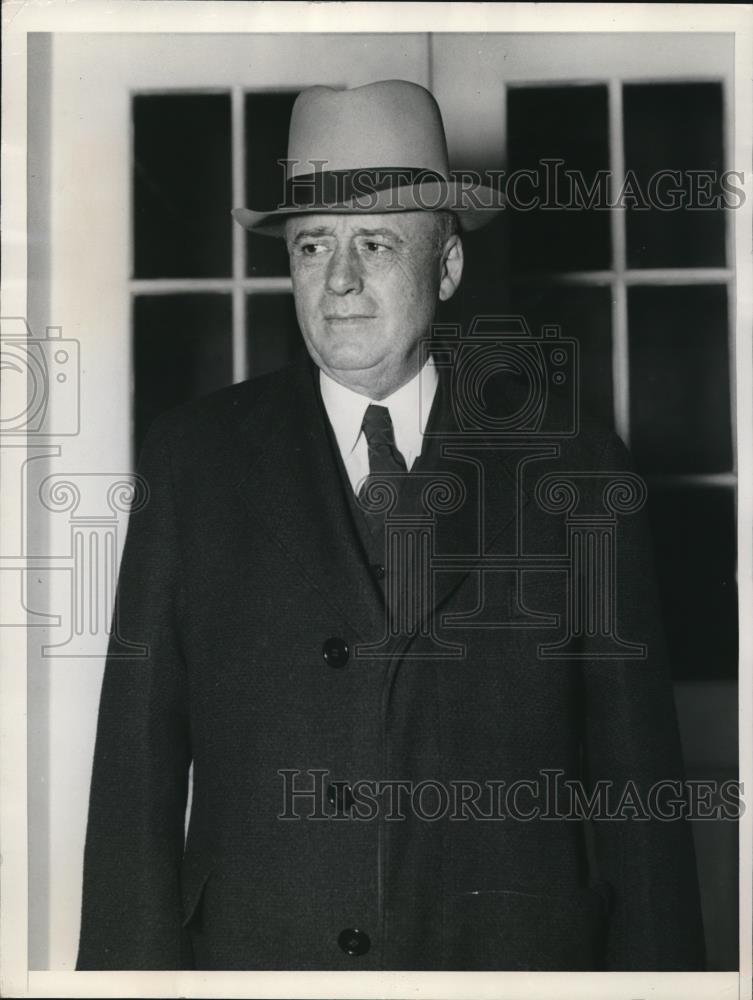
[473, 208]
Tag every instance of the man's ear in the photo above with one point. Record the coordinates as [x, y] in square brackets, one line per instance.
[452, 267]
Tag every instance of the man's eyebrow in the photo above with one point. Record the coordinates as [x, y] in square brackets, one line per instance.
[366, 231]
[307, 234]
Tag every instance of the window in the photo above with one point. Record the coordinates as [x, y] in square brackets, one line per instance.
[645, 291]
[211, 304]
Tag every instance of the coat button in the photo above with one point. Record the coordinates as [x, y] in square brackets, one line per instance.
[354, 942]
[335, 652]
[340, 797]
[378, 570]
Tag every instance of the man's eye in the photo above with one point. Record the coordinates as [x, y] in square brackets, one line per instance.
[373, 247]
[311, 249]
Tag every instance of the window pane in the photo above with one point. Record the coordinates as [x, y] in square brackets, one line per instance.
[675, 127]
[679, 378]
[567, 124]
[182, 349]
[267, 123]
[694, 545]
[272, 335]
[182, 186]
[585, 314]
[483, 291]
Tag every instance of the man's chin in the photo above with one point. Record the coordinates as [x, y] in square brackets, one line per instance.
[351, 361]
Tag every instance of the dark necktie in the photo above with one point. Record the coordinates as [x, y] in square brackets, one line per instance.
[385, 461]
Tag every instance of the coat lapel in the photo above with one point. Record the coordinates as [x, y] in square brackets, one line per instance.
[291, 482]
[487, 518]
[289, 479]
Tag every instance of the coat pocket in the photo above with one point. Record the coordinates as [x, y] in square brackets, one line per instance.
[501, 930]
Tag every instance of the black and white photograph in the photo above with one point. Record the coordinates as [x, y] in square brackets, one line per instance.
[376, 476]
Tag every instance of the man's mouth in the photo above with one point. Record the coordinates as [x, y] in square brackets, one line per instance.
[345, 319]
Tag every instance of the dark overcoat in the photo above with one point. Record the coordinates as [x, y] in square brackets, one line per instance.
[246, 578]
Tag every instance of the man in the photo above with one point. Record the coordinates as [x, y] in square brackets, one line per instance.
[353, 581]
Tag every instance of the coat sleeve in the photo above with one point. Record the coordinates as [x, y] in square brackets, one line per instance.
[131, 908]
[631, 741]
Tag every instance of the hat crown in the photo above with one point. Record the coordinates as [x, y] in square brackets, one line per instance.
[392, 123]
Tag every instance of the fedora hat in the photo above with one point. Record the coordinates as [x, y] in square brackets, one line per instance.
[376, 148]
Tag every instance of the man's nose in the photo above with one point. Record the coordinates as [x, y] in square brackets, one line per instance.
[344, 274]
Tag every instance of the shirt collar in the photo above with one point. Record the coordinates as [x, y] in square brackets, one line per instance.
[409, 408]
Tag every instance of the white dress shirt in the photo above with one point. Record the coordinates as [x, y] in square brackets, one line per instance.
[409, 408]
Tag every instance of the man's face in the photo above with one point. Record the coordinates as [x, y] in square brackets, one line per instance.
[366, 287]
